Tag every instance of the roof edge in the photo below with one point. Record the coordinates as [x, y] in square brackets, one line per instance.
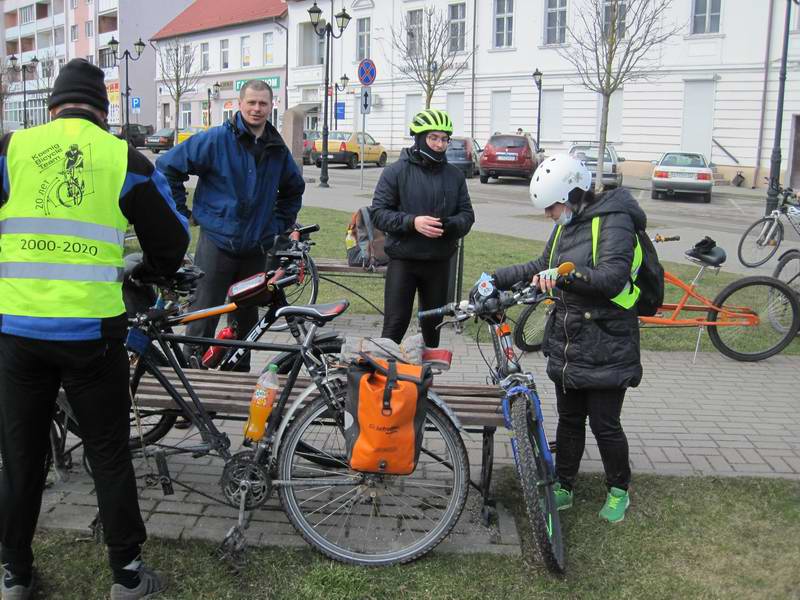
[156, 37]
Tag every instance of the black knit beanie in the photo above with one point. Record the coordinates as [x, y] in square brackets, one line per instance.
[81, 82]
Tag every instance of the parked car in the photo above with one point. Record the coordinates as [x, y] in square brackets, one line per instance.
[684, 173]
[308, 144]
[163, 139]
[185, 134]
[137, 133]
[587, 152]
[464, 153]
[344, 148]
[509, 155]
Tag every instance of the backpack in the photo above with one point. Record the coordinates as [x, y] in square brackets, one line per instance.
[364, 242]
[385, 411]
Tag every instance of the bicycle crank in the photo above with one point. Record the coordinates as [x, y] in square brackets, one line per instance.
[244, 479]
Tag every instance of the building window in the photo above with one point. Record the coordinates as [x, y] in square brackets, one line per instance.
[26, 14]
[186, 115]
[269, 55]
[414, 33]
[362, 35]
[227, 114]
[73, 33]
[90, 59]
[89, 29]
[556, 22]
[458, 26]
[204, 66]
[48, 69]
[107, 60]
[88, 1]
[73, 4]
[503, 23]
[705, 18]
[618, 7]
[223, 54]
[245, 50]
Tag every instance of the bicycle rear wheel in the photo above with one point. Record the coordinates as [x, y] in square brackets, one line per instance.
[529, 330]
[760, 241]
[537, 480]
[778, 312]
[367, 519]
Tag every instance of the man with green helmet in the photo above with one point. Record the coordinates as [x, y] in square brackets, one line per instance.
[423, 206]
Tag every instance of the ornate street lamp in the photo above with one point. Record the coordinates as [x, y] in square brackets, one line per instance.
[23, 69]
[338, 88]
[138, 47]
[537, 79]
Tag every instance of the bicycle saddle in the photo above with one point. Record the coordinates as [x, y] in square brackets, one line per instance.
[713, 257]
[321, 313]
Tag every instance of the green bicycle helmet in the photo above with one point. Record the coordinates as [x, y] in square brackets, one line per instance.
[431, 119]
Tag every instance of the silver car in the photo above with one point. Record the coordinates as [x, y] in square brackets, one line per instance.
[587, 153]
[682, 173]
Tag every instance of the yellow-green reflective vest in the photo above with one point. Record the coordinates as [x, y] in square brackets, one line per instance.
[61, 230]
[630, 294]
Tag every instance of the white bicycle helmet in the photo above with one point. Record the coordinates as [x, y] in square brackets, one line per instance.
[556, 177]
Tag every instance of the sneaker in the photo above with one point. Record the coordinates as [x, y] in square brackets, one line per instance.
[15, 592]
[151, 585]
[617, 502]
[563, 497]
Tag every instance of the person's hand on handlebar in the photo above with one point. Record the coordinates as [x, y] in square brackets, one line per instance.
[545, 280]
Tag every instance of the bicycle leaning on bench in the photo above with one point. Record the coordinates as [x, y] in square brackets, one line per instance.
[522, 413]
[762, 239]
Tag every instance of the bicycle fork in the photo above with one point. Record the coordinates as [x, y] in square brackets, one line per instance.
[523, 394]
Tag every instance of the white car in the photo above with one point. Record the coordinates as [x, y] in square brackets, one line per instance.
[682, 173]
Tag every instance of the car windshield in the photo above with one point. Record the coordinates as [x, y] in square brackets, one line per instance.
[589, 153]
[676, 159]
[456, 144]
[339, 135]
[313, 135]
[508, 141]
[163, 132]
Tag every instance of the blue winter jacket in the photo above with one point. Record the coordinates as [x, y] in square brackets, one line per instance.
[239, 204]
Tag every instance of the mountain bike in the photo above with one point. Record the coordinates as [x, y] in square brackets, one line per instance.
[522, 413]
[788, 270]
[751, 319]
[762, 239]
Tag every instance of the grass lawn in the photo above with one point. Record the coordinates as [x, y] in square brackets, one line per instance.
[682, 538]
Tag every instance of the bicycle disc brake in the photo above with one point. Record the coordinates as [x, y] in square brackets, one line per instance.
[242, 475]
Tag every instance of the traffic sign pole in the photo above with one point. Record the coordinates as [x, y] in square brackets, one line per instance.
[367, 72]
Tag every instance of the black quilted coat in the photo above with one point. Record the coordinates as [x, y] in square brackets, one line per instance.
[590, 342]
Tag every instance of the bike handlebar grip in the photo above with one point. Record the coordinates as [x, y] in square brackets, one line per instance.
[435, 312]
[672, 238]
[307, 229]
[566, 268]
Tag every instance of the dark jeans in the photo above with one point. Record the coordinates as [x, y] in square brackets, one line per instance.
[603, 407]
[404, 278]
[222, 269]
[95, 377]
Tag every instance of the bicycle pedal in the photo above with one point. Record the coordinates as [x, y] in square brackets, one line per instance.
[163, 473]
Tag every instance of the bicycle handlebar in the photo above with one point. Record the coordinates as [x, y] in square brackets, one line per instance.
[662, 238]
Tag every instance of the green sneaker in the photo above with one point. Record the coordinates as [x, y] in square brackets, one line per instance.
[617, 502]
[563, 497]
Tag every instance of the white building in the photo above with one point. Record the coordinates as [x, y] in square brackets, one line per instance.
[245, 40]
[714, 88]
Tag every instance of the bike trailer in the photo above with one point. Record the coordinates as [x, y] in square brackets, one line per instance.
[384, 415]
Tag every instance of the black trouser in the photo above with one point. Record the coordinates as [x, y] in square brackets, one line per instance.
[603, 407]
[222, 269]
[95, 376]
[404, 278]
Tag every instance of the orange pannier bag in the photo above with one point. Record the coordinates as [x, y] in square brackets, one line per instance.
[385, 414]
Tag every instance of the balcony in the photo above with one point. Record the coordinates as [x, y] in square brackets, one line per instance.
[12, 32]
[26, 30]
[104, 38]
[106, 5]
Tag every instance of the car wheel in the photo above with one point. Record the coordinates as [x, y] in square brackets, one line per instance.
[352, 162]
[382, 160]
[319, 164]
[655, 194]
[484, 178]
[156, 150]
[707, 197]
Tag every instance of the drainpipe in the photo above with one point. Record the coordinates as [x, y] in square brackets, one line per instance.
[286, 67]
[474, 41]
[764, 96]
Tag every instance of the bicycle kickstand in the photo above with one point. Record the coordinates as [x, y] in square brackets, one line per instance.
[232, 549]
[697, 345]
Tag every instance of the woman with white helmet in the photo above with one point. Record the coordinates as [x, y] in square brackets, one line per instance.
[592, 334]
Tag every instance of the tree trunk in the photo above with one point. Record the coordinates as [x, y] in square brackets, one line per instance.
[177, 116]
[601, 147]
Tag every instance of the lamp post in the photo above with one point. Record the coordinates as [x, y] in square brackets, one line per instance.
[775, 158]
[139, 47]
[23, 68]
[216, 87]
[338, 88]
[537, 79]
[342, 19]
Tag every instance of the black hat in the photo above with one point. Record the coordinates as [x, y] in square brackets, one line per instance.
[81, 82]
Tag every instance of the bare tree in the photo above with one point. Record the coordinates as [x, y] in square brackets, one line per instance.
[4, 86]
[431, 49]
[613, 42]
[176, 64]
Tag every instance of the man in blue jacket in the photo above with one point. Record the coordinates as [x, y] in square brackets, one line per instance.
[249, 189]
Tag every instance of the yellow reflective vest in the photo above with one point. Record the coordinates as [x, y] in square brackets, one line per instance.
[62, 231]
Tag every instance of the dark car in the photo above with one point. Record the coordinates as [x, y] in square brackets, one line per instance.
[136, 132]
[163, 139]
[507, 155]
[308, 144]
[464, 153]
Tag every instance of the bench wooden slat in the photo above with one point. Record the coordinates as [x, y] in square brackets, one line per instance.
[331, 265]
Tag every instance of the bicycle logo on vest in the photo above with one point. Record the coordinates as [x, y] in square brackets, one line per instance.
[68, 188]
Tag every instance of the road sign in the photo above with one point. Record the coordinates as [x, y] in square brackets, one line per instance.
[365, 103]
[367, 72]
[340, 110]
[136, 102]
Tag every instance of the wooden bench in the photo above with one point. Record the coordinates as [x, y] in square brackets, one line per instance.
[228, 395]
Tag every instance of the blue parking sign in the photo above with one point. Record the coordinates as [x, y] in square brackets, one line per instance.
[136, 102]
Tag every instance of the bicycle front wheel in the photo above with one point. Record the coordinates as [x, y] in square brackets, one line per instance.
[760, 241]
[529, 330]
[537, 480]
[778, 317]
[788, 270]
[366, 519]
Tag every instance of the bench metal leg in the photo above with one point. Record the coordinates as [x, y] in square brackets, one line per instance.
[487, 463]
